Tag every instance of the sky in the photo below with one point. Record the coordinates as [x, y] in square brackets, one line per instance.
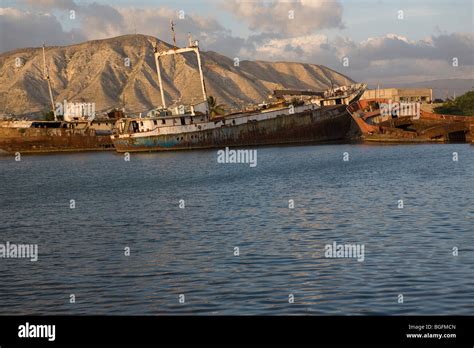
[375, 41]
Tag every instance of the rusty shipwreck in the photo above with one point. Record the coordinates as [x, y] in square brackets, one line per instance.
[76, 130]
[320, 117]
[408, 123]
[54, 136]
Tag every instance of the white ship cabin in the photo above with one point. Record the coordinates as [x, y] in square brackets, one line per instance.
[340, 95]
[177, 115]
[178, 110]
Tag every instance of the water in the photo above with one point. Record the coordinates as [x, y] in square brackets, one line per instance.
[190, 251]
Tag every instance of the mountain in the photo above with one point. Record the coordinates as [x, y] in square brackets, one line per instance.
[441, 88]
[96, 71]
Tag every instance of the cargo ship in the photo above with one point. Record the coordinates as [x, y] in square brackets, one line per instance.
[407, 123]
[313, 117]
[68, 131]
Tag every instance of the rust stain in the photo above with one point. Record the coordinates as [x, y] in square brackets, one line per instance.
[429, 127]
[321, 125]
[31, 140]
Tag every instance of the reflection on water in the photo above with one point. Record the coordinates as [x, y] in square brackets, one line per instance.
[191, 251]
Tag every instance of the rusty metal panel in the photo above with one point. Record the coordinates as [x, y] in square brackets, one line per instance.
[31, 140]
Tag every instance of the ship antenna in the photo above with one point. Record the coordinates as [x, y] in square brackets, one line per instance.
[47, 78]
[190, 40]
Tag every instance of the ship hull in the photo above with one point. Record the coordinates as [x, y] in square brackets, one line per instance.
[320, 125]
[426, 127]
[40, 140]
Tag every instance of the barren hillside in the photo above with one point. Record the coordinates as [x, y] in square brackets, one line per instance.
[98, 71]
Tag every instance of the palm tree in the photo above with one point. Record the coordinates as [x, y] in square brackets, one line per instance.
[214, 108]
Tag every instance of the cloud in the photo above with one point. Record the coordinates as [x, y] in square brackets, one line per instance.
[396, 57]
[436, 51]
[156, 22]
[301, 48]
[100, 21]
[26, 29]
[51, 4]
[444, 46]
[276, 16]
[275, 37]
[386, 57]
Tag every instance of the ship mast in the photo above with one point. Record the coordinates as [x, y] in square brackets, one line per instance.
[192, 47]
[47, 78]
[158, 70]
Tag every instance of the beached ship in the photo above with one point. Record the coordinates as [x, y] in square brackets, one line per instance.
[74, 129]
[54, 136]
[381, 120]
[320, 117]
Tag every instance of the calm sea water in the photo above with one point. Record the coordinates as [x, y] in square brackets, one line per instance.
[190, 251]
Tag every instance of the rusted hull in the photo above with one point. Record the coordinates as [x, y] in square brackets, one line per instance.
[391, 138]
[428, 127]
[322, 125]
[38, 140]
[423, 132]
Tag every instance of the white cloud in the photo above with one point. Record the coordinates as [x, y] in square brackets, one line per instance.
[274, 16]
[300, 48]
[155, 21]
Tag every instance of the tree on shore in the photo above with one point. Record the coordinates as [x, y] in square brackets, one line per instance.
[463, 105]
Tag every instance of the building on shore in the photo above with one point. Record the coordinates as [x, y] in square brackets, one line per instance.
[422, 95]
